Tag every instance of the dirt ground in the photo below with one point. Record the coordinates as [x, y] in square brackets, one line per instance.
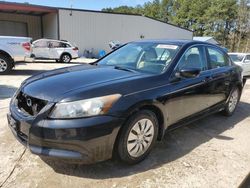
[212, 152]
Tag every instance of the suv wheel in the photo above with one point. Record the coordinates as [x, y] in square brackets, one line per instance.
[6, 64]
[65, 58]
[137, 137]
[232, 102]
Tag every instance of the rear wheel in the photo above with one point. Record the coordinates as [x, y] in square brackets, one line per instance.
[65, 58]
[137, 137]
[232, 102]
[6, 64]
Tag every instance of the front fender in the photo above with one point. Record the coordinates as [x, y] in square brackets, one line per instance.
[154, 106]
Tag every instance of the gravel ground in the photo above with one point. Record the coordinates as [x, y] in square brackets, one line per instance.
[212, 152]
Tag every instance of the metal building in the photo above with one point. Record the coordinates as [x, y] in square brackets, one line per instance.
[207, 39]
[87, 29]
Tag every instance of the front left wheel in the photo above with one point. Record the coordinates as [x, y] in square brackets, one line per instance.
[137, 137]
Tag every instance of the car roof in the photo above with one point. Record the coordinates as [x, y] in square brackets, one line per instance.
[175, 42]
[53, 40]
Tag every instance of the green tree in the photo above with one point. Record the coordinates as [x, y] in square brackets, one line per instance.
[124, 9]
[220, 19]
[190, 14]
[153, 9]
[242, 28]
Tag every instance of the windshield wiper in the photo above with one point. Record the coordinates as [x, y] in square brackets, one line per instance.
[94, 63]
[124, 68]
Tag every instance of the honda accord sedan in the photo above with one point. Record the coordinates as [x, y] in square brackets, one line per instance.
[123, 103]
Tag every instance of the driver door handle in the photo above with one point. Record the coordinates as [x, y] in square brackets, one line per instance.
[207, 79]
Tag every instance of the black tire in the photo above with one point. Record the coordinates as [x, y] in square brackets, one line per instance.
[122, 145]
[228, 111]
[6, 64]
[65, 58]
[57, 60]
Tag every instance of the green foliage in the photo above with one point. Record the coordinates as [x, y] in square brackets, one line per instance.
[228, 21]
[124, 9]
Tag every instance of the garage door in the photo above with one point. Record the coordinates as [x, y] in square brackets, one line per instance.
[9, 28]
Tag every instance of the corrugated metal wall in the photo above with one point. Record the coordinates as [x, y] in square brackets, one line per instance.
[33, 22]
[50, 26]
[12, 28]
[94, 30]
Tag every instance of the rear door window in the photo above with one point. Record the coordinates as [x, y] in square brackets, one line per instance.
[216, 58]
[54, 44]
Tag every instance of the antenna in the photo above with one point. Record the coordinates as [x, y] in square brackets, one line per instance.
[71, 6]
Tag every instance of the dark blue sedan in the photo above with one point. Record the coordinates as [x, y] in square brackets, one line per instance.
[125, 101]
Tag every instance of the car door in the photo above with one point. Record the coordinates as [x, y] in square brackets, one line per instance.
[221, 72]
[189, 96]
[40, 49]
[246, 66]
[55, 49]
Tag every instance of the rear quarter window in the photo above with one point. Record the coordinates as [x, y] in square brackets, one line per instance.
[64, 45]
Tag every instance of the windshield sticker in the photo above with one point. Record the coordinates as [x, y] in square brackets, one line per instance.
[167, 46]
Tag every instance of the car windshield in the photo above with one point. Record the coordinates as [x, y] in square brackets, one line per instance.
[236, 57]
[144, 57]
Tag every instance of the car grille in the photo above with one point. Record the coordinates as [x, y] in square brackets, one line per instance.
[29, 105]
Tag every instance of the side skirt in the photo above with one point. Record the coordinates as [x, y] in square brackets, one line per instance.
[212, 110]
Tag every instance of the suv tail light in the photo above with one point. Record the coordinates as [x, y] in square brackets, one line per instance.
[75, 48]
[26, 46]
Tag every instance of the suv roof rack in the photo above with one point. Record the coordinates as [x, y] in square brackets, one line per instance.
[64, 40]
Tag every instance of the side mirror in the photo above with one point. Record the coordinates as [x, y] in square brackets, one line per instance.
[188, 73]
[246, 61]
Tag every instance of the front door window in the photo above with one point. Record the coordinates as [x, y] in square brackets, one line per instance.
[193, 58]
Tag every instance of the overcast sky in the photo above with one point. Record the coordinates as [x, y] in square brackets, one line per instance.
[84, 4]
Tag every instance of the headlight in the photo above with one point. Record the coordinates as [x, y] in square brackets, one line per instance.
[84, 108]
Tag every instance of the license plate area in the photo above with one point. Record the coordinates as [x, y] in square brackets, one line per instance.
[14, 124]
[17, 129]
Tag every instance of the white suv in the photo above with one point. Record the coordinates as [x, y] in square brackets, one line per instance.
[243, 60]
[57, 50]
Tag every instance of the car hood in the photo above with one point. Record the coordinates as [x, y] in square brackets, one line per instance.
[52, 85]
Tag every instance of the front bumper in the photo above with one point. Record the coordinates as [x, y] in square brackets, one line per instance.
[86, 140]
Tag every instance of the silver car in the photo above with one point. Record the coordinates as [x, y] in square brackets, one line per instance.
[243, 60]
[61, 51]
